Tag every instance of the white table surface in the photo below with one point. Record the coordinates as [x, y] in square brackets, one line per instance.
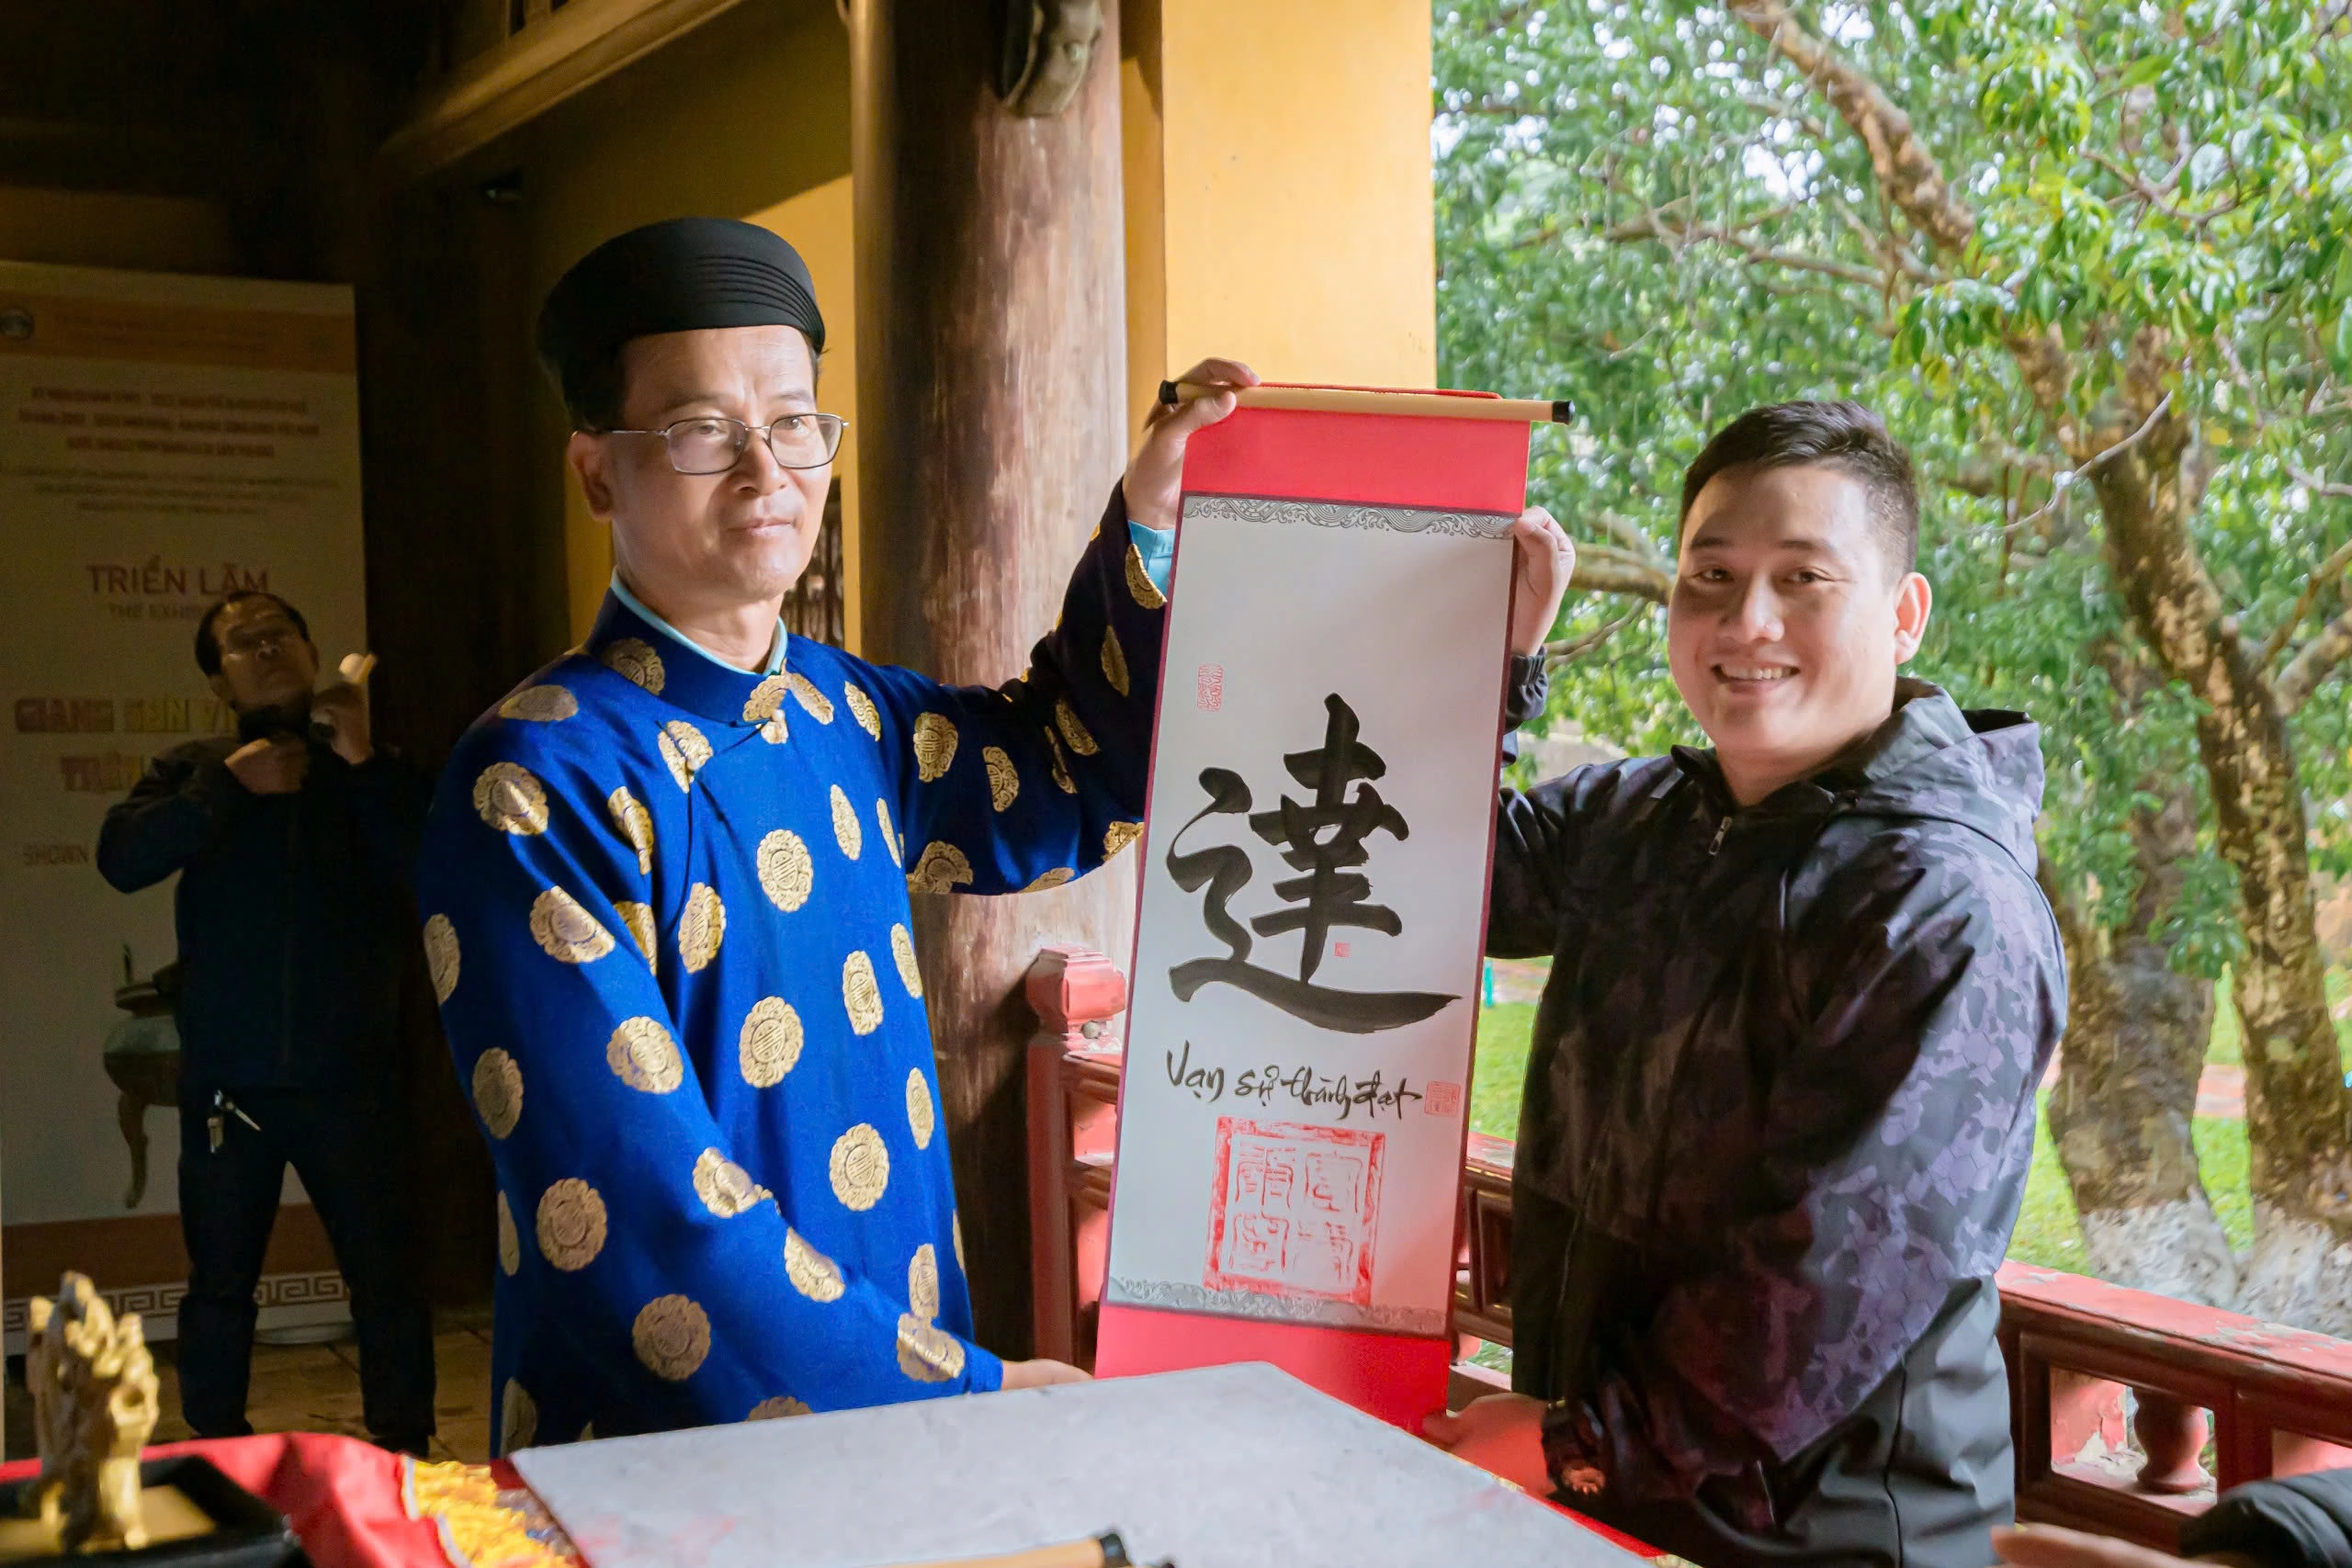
[1225, 1467]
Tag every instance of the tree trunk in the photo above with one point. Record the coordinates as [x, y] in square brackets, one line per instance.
[2136, 1035]
[991, 328]
[2300, 1268]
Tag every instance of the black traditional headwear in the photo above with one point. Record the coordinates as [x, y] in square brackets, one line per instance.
[674, 276]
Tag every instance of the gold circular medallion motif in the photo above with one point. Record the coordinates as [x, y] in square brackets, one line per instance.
[635, 825]
[1004, 779]
[1114, 661]
[441, 956]
[778, 1408]
[639, 919]
[498, 1091]
[1140, 583]
[769, 1043]
[684, 750]
[922, 1120]
[1118, 836]
[725, 1188]
[813, 1274]
[934, 746]
[571, 1224]
[540, 704]
[637, 661]
[1060, 763]
[845, 826]
[927, 1354]
[804, 690]
[518, 1419]
[943, 869]
[702, 925]
[672, 1337]
[861, 708]
[860, 994]
[889, 834]
[902, 948]
[565, 931]
[1053, 878]
[786, 873]
[922, 1283]
[1080, 740]
[644, 1056]
[860, 1167]
[509, 1245]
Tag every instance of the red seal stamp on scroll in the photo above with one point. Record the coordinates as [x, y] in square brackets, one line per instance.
[1296, 1210]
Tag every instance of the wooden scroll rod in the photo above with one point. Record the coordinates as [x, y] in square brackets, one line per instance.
[1104, 1550]
[1342, 400]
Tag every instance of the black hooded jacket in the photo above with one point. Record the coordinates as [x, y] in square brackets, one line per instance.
[1779, 1113]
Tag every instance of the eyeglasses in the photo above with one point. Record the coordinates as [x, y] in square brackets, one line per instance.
[710, 445]
[252, 642]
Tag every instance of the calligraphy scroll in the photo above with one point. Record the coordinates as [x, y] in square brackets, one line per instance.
[1313, 905]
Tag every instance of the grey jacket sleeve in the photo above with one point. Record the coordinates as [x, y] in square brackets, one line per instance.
[2293, 1521]
[1933, 994]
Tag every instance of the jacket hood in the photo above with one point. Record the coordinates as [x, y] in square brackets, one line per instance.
[1981, 768]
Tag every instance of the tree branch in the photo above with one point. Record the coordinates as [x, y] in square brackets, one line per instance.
[2318, 659]
[1603, 570]
[1628, 533]
[1570, 648]
[2330, 569]
[1655, 225]
[1906, 171]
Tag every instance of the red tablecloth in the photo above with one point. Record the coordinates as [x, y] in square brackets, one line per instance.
[357, 1506]
[347, 1499]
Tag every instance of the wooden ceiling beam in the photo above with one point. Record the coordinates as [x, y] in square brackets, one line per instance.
[506, 87]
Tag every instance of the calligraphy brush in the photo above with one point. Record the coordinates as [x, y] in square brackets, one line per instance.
[1104, 1550]
[1349, 399]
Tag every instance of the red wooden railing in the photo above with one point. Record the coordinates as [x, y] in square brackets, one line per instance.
[2114, 1394]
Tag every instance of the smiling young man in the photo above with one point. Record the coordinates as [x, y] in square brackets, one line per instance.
[1780, 1106]
[667, 883]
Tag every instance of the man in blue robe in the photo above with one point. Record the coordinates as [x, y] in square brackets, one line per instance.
[665, 884]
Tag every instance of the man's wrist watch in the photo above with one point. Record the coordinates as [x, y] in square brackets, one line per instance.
[1572, 1448]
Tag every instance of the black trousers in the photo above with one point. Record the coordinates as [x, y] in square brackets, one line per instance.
[345, 1146]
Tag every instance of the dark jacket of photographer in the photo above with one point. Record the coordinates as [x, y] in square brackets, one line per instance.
[293, 910]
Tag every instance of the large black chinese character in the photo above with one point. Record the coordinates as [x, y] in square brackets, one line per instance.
[1324, 839]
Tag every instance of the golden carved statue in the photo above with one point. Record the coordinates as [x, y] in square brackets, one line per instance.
[94, 1405]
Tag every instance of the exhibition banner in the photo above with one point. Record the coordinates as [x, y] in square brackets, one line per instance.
[163, 440]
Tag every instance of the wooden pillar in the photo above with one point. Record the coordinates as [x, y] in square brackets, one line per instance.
[991, 380]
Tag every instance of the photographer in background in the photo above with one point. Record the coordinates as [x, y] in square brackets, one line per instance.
[295, 840]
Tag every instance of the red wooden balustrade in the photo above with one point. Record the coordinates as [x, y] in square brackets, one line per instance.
[2081, 1353]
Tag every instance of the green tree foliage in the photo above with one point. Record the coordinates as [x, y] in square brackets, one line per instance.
[1653, 209]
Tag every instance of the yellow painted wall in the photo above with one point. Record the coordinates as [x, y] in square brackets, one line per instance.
[145, 234]
[746, 116]
[1287, 149]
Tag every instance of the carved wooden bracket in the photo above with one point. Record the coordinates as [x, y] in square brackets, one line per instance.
[1048, 44]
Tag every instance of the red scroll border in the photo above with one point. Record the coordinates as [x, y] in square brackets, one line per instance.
[1376, 460]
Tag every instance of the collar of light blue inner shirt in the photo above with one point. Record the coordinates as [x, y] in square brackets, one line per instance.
[636, 607]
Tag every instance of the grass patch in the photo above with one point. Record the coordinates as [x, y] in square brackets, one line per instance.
[1501, 1070]
[2049, 1233]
